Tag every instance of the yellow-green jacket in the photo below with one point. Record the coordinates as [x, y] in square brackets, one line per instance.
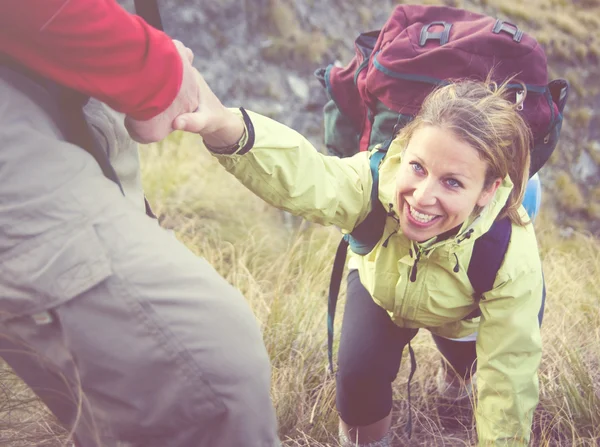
[286, 171]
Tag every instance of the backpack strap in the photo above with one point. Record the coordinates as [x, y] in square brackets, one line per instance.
[488, 254]
[78, 132]
[148, 10]
[334, 290]
[362, 240]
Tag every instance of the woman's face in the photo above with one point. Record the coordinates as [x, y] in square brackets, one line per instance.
[439, 183]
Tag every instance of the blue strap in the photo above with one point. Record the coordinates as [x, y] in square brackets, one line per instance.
[374, 163]
[375, 220]
[366, 235]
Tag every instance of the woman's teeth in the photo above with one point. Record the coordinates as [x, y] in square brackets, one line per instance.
[420, 217]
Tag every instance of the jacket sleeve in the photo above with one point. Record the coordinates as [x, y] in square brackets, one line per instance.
[285, 170]
[95, 47]
[508, 355]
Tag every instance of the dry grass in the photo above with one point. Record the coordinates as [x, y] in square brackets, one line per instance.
[285, 277]
[567, 192]
[23, 421]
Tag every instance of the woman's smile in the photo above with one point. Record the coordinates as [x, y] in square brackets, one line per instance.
[418, 218]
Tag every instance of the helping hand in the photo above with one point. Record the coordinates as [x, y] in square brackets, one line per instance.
[214, 122]
[187, 99]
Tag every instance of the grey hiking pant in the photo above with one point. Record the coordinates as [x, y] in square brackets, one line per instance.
[126, 335]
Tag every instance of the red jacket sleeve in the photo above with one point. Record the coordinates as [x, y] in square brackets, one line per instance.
[95, 47]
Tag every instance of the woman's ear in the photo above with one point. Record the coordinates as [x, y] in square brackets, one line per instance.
[488, 193]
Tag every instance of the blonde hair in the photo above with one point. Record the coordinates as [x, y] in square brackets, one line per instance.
[481, 115]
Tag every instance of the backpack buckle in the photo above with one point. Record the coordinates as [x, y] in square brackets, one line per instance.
[509, 28]
[442, 36]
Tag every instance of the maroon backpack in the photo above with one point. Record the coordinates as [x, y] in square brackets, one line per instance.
[421, 47]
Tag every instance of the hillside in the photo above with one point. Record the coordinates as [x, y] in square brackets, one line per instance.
[261, 54]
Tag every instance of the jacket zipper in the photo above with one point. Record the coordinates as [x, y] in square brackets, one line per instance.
[413, 277]
[413, 270]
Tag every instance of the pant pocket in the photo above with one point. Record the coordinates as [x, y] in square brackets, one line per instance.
[50, 269]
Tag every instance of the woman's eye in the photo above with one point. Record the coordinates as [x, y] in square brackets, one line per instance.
[416, 166]
[453, 183]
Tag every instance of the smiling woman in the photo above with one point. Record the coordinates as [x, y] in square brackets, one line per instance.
[448, 176]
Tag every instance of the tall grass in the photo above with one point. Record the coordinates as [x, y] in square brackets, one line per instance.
[23, 421]
[285, 274]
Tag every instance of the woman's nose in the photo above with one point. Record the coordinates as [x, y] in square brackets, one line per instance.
[424, 193]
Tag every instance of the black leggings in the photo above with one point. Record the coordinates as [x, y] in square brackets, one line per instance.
[369, 357]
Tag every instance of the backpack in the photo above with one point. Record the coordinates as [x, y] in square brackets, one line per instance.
[382, 88]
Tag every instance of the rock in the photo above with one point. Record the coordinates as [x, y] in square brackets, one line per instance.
[299, 86]
[585, 168]
[566, 232]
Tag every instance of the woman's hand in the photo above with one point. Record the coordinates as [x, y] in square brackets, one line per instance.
[218, 126]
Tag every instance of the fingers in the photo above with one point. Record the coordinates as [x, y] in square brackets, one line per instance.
[189, 122]
[184, 51]
[145, 132]
[187, 100]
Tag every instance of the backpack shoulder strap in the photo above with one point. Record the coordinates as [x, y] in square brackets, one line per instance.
[361, 241]
[148, 10]
[488, 254]
[78, 132]
[366, 235]
[334, 290]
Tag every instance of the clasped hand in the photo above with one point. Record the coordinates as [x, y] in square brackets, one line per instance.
[195, 109]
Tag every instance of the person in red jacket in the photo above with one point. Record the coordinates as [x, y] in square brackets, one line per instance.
[99, 49]
[125, 334]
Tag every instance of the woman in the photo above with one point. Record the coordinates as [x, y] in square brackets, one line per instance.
[448, 175]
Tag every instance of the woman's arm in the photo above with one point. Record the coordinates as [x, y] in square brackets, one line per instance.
[508, 356]
[280, 165]
[285, 170]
